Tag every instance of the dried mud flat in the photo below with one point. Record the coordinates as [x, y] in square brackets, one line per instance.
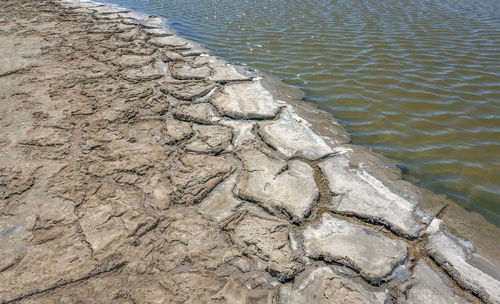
[135, 168]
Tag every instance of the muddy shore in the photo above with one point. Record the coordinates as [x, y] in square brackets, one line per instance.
[136, 168]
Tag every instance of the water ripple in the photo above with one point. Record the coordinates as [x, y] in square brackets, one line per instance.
[417, 80]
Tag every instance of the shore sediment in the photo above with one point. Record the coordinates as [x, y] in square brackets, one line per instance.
[137, 168]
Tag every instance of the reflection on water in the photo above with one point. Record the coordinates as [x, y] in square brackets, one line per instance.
[416, 80]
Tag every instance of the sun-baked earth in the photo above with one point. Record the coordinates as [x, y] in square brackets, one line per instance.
[135, 168]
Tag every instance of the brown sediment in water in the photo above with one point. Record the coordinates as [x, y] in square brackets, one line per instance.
[136, 168]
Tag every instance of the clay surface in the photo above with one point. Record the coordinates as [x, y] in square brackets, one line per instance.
[300, 140]
[331, 285]
[135, 168]
[361, 194]
[469, 269]
[428, 286]
[353, 245]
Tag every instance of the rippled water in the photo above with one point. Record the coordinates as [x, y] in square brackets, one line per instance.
[418, 81]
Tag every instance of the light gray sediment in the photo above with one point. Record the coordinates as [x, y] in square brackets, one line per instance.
[278, 185]
[469, 269]
[351, 244]
[428, 286]
[361, 194]
[331, 285]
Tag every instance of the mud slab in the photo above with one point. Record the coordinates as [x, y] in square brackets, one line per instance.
[136, 168]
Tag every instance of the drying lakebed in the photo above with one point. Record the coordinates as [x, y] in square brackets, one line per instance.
[415, 80]
[136, 168]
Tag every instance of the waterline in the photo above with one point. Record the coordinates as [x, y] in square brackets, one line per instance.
[418, 81]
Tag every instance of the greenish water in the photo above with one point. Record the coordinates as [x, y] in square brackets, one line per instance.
[418, 81]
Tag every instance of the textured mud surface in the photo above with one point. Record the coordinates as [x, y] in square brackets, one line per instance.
[134, 168]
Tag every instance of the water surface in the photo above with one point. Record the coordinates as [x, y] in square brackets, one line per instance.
[418, 81]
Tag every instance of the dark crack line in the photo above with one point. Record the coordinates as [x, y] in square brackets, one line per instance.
[62, 283]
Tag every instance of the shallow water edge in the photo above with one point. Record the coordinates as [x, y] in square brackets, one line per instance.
[462, 222]
[413, 80]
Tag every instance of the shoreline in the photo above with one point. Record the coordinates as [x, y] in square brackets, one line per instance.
[402, 137]
[138, 162]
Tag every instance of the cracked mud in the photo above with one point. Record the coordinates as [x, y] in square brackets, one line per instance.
[135, 168]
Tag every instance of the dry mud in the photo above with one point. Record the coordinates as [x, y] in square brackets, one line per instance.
[135, 168]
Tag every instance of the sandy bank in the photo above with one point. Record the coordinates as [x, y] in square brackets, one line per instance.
[136, 168]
